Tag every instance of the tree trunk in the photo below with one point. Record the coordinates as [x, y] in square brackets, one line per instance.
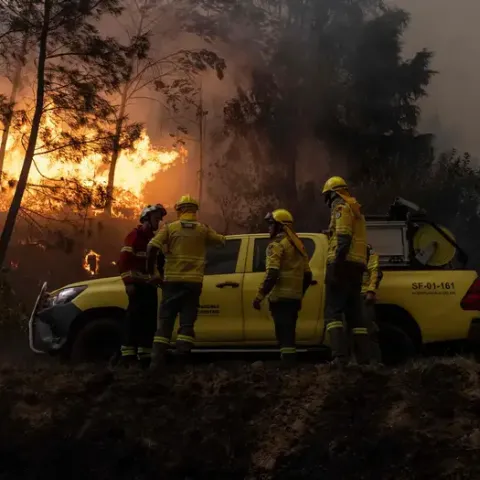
[116, 152]
[119, 128]
[201, 135]
[32, 141]
[12, 102]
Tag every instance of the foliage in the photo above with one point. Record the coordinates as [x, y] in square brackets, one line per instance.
[4, 108]
[241, 191]
[350, 82]
[80, 66]
[75, 66]
[335, 76]
[157, 70]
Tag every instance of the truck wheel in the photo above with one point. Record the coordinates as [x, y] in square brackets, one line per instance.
[97, 341]
[396, 346]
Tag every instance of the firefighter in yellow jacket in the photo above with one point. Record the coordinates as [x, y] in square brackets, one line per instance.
[183, 243]
[346, 264]
[371, 281]
[287, 278]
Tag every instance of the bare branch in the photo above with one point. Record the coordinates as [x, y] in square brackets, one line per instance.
[73, 144]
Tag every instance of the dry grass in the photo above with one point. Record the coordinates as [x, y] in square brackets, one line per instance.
[241, 421]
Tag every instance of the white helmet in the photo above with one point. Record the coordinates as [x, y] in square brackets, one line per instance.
[152, 208]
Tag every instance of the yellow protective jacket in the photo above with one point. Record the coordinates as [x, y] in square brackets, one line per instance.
[347, 234]
[184, 244]
[294, 272]
[373, 275]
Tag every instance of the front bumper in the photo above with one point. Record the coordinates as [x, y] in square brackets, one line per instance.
[49, 326]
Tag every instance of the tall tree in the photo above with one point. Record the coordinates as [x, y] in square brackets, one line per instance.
[75, 64]
[18, 58]
[335, 74]
[377, 106]
[155, 70]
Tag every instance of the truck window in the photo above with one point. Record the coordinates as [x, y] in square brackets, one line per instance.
[222, 260]
[260, 247]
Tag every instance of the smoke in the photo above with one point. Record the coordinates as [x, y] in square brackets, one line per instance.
[450, 30]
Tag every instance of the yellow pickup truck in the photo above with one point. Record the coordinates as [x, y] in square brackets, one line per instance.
[422, 299]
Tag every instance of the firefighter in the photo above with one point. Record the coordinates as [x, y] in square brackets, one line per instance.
[371, 281]
[141, 317]
[184, 243]
[287, 278]
[346, 264]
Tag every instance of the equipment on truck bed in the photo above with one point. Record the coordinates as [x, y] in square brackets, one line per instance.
[407, 238]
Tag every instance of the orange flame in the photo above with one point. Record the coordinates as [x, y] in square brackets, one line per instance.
[134, 170]
[91, 262]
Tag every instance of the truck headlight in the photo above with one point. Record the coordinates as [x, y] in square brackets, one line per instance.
[67, 295]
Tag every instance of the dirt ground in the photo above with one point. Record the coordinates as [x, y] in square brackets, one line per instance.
[241, 421]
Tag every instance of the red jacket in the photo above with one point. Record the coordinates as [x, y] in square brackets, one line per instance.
[133, 256]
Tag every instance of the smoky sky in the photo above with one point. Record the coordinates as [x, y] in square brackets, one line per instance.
[450, 29]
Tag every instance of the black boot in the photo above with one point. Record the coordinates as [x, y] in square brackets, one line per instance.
[288, 360]
[114, 359]
[182, 358]
[127, 361]
[376, 353]
[338, 343]
[158, 358]
[361, 345]
[183, 352]
[144, 361]
[339, 363]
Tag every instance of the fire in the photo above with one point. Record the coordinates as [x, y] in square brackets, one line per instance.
[91, 262]
[135, 169]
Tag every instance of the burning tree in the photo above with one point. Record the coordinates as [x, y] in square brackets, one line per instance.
[75, 65]
[15, 58]
[156, 71]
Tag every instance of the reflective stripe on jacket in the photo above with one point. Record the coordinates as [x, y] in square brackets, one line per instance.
[184, 244]
[132, 261]
[345, 225]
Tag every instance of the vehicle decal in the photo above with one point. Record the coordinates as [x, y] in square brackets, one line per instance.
[433, 288]
[209, 310]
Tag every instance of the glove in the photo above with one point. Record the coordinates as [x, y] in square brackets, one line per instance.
[156, 280]
[257, 303]
[370, 298]
[130, 289]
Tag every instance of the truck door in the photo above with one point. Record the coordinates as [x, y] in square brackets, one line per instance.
[259, 328]
[220, 316]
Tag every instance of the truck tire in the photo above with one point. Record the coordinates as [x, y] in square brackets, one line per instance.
[97, 341]
[395, 344]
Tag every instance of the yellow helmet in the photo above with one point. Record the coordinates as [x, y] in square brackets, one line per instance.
[333, 184]
[280, 216]
[186, 201]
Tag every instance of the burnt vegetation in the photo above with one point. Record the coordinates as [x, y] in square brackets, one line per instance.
[242, 421]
